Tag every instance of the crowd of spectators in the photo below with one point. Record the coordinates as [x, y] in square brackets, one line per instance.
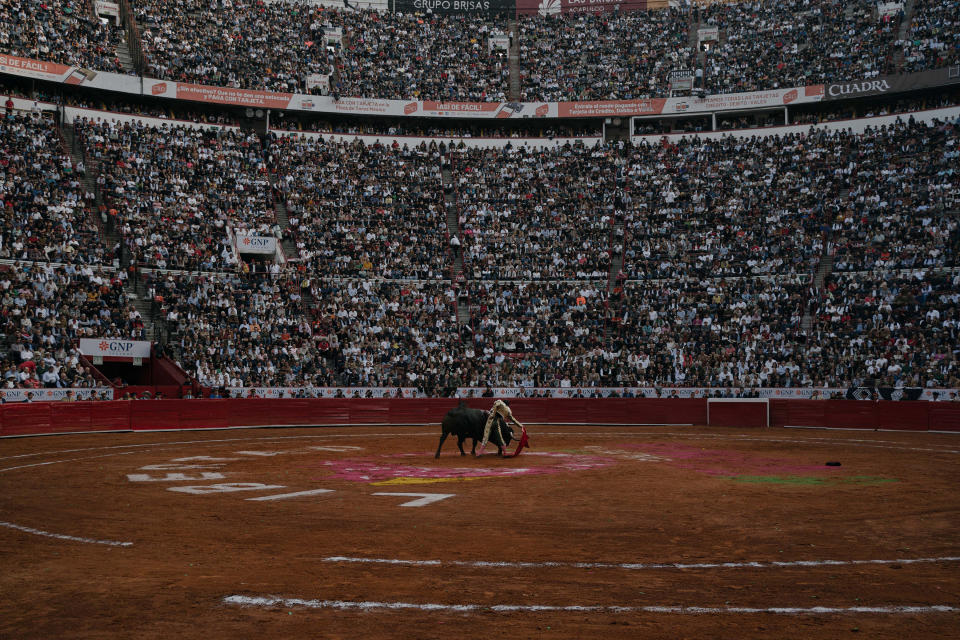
[602, 56]
[231, 330]
[363, 210]
[46, 208]
[764, 205]
[47, 309]
[444, 131]
[714, 332]
[173, 191]
[889, 328]
[416, 56]
[933, 39]
[64, 31]
[284, 47]
[730, 207]
[720, 240]
[278, 46]
[238, 43]
[902, 210]
[167, 110]
[395, 334]
[772, 44]
[239, 330]
[536, 214]
[539, 334]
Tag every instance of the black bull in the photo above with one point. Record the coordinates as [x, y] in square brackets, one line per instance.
[465, 422]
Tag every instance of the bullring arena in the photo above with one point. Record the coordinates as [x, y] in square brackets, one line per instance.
[356, 531]
[254, 252]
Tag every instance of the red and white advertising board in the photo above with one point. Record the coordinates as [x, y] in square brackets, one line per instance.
[54, 72]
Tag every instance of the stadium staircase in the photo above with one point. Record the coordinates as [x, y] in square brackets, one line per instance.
[453, 229]
[338, 65]
[617, 238]
[283, 219]
[614, 297]
[109, 233]
[453, 220]
[463, 311]
[137, 296]
[909, 8]
[699, 57]
[806, 323]
[76, 154]
[824, 268]
[289, 246]
[123, 55]
[514, 30]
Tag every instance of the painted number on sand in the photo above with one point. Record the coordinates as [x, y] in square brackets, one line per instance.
[174, 477]
[226, 487]
[425, 498]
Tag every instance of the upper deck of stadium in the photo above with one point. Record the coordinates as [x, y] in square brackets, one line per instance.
[484, 52]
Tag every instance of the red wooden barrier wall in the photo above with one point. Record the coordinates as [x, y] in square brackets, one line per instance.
[737, 414]
[120, 415]
[944, 417]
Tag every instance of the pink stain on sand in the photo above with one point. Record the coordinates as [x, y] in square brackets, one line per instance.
[378, 469]
[720, 462]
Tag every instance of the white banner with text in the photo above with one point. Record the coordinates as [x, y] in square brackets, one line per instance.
[110, 348]
[55, 395]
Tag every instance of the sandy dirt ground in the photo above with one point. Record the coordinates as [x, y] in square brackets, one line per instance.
[672, 532]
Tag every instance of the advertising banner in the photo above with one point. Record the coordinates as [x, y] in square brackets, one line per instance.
[499, 42]
[711, 103]
[54, 72]
[372, 106]
[889, 9]
[379, 5]
[556, 7]
[456, 7]
[892, 84]
[332, 35]
[603, 108]
[109, 348]
[104, 8]
[55, 395]
[227, 95]
[318, 80]
[750, 100]
[707, 34]
[648, 392]
[322, 392]
[884, 393]
[34, 68]
[266, 245]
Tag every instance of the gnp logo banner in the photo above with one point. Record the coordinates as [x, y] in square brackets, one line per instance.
[256, 244]
[109, 348]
